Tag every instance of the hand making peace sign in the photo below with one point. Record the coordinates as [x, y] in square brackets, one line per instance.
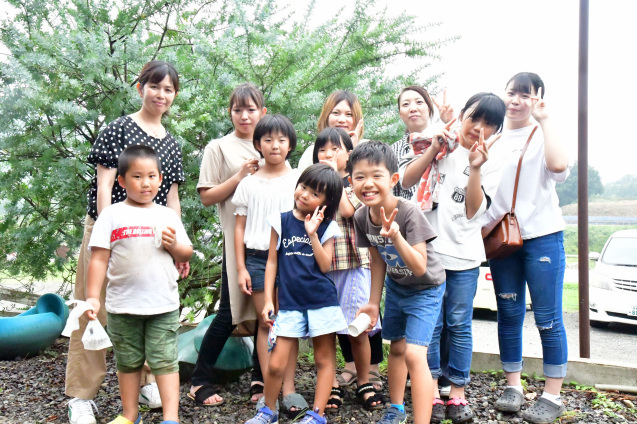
[479, 152]
[356, 134]
[538, 106]
[312, 222]
[444, 110]
[390, 228]
[442, 136]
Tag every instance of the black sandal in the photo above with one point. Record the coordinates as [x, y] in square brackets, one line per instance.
[256, 388]
[368, 403]
[336, 399]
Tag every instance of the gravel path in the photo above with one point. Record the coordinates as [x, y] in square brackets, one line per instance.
[32, 391]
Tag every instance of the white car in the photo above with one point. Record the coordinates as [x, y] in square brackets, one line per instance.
[613, 281]
[485, 295]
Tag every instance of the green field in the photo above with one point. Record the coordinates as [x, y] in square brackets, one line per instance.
[597, 236]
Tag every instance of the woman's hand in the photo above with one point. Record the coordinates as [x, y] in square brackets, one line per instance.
[390, 228]
[444, 110]
[538, 106]
[356, 134]
[248, 167]
[312, 222]
[441, 137]
[479, 152]
[245, 281]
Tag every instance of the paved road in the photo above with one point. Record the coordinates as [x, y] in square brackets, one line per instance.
[613, 344]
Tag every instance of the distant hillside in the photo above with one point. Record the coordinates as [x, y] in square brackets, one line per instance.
[615, 208]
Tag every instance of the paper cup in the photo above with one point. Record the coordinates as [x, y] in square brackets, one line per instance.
[360, 324]
[158, 230]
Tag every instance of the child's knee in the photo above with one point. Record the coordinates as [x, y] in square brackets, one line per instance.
[397, 348]
[416, 355]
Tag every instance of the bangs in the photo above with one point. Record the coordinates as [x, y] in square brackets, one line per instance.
[156, 71]
[490, 108]
[245, 93]
[526, 82]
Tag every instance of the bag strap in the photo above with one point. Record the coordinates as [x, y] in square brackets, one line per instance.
[517, 174]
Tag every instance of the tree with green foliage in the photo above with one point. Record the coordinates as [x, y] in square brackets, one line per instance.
[567, 192]
[624, 188]
[72, 69]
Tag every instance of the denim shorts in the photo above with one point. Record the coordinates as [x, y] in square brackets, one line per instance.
[311, 322]
[255, 264]
[139, 338]
[411, 314]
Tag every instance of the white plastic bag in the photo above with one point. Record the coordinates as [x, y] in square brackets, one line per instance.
[95, 337]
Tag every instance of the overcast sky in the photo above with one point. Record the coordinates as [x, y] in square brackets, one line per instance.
[502, 37]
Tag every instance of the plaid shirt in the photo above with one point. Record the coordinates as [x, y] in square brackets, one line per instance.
[346, 254]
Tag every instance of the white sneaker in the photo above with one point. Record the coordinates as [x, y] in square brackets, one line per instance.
[81, 411]
[149, 395]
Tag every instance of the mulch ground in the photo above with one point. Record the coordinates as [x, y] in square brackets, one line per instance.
[32, 391]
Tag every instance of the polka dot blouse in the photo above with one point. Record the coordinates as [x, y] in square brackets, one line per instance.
[117, 136]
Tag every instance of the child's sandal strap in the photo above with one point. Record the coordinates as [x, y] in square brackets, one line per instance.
[364, 389]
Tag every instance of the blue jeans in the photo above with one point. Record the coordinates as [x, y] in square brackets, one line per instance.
[539, 263]
[411, 314]
[457, 314]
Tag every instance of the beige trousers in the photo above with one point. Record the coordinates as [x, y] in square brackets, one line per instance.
[86, 369]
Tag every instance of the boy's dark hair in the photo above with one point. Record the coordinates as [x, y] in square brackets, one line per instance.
[271, 125]
[488, 106]
[525, 81]
[375, 153]
[324, 179]
[133, 153]
[155, 71]
[243, 93]
[336, 136]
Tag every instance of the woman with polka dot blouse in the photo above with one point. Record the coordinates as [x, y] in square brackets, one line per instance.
[157, 86]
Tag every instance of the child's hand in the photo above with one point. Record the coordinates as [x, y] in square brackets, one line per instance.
[356, 134]
[390, 228]
[538, 106]
[479, 152]
[331, 162]
[168, 239]
[245, 281]
[267, 313]
[444, 110]
[373, 311]
[183, 268]
[312, 222]
[95, 303]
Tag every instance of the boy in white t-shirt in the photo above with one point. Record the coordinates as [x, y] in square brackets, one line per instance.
[135, 244]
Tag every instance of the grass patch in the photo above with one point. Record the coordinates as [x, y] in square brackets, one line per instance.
[570, 301]
[597, 236]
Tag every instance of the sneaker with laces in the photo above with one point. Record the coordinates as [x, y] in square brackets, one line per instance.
[81, 411]
[264, 416]
[393, 416]
[149, 395]
[313, 417]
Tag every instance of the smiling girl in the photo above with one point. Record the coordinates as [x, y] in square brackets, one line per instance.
[540, 262]
[227, 161]
[460, 202]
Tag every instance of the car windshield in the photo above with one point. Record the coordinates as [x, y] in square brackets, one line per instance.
[621, 251]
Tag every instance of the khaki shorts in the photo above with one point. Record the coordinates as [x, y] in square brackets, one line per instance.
[139, 338]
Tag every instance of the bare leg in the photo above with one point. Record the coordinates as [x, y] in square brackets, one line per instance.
[168, 385]
[129, 393]
[397, 372]
[325, 360]
[421, 382]
[277, 366]
[553, 385]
